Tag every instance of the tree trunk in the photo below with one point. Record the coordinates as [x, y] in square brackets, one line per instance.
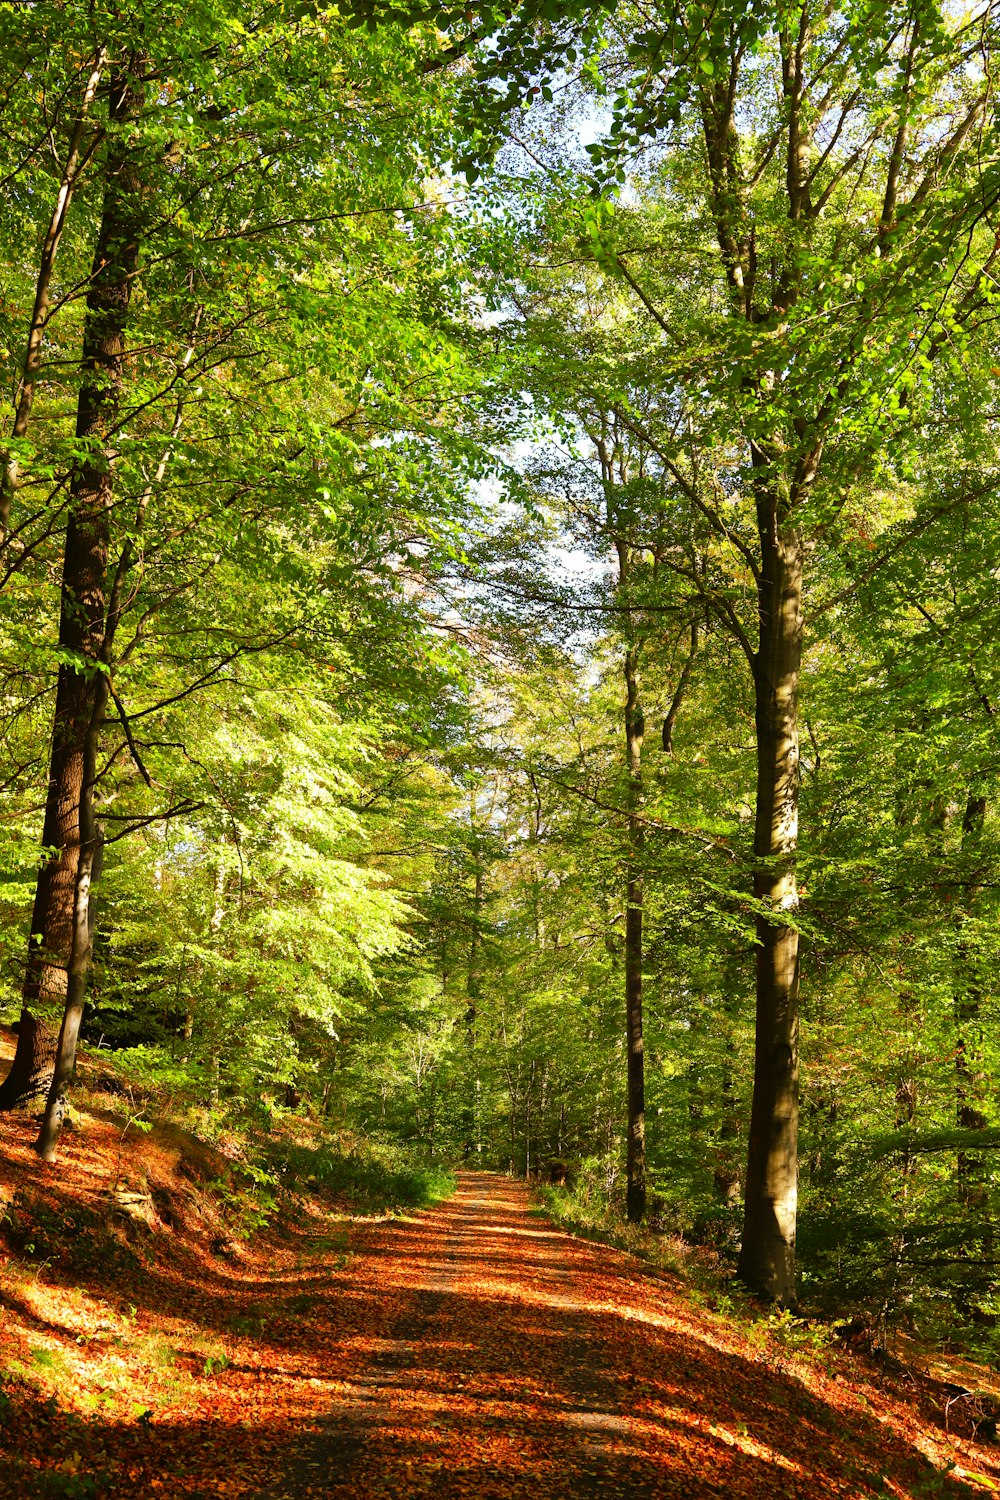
[676, 702]
[30, 1072]
[88, 874]
[726, 1176]
[767, 1255]
[969, 1076]
[470, 1114]
[60, 945]
[635, 1193]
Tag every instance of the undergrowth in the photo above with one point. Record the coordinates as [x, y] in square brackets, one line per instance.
[373, 1176]
[586, 1214]
[771, 1331]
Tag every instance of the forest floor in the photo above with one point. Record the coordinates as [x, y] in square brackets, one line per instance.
[471, 1349]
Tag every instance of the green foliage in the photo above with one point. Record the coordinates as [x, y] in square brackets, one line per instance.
[74, 1486]
[372, 1175]
[584, 1211]
[248, 1199]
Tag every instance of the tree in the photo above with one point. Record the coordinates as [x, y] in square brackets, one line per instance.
[178, 117]
[820, 245]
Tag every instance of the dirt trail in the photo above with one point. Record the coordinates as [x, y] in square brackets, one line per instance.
[503, 1358]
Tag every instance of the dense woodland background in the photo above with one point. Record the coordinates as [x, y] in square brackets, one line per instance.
[503, 514]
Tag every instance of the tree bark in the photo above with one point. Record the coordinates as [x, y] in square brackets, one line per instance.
[88, 874]
[969, 1076]
[60, 944]
[635, 1196]
[30, 1072]
[678, 698]
[767, 1255]
[470, 1114]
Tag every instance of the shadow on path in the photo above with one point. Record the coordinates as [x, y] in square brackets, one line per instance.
[522, 1362]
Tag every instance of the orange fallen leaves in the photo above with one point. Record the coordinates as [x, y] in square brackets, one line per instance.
[470, 1350]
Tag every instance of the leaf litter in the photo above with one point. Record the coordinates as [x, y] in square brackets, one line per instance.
[469, 1349]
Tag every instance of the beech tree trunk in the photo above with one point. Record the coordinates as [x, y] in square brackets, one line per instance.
[635, 1196]
[60, 944]
[470, 1114]
[767, 1255]
[970, 1081]
[30, 1072]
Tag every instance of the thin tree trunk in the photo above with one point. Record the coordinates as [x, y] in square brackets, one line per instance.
[470, 1120]
[187, 1031]
[614, 475]
[635, 1193]
[969, 1078]
[677, 701]
[697, 1038]
[767, 1255]
[907, 1095]
[215, 922]
[727, 1175]
[60, 946]
[537, 1123]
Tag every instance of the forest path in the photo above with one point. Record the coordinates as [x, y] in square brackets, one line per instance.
[496, 1356]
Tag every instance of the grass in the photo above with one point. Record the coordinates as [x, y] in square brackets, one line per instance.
[300, 1303]
[249, 1324]
[593, 1218]
[373, 1177]
[49, 1361]
[157, 1353]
